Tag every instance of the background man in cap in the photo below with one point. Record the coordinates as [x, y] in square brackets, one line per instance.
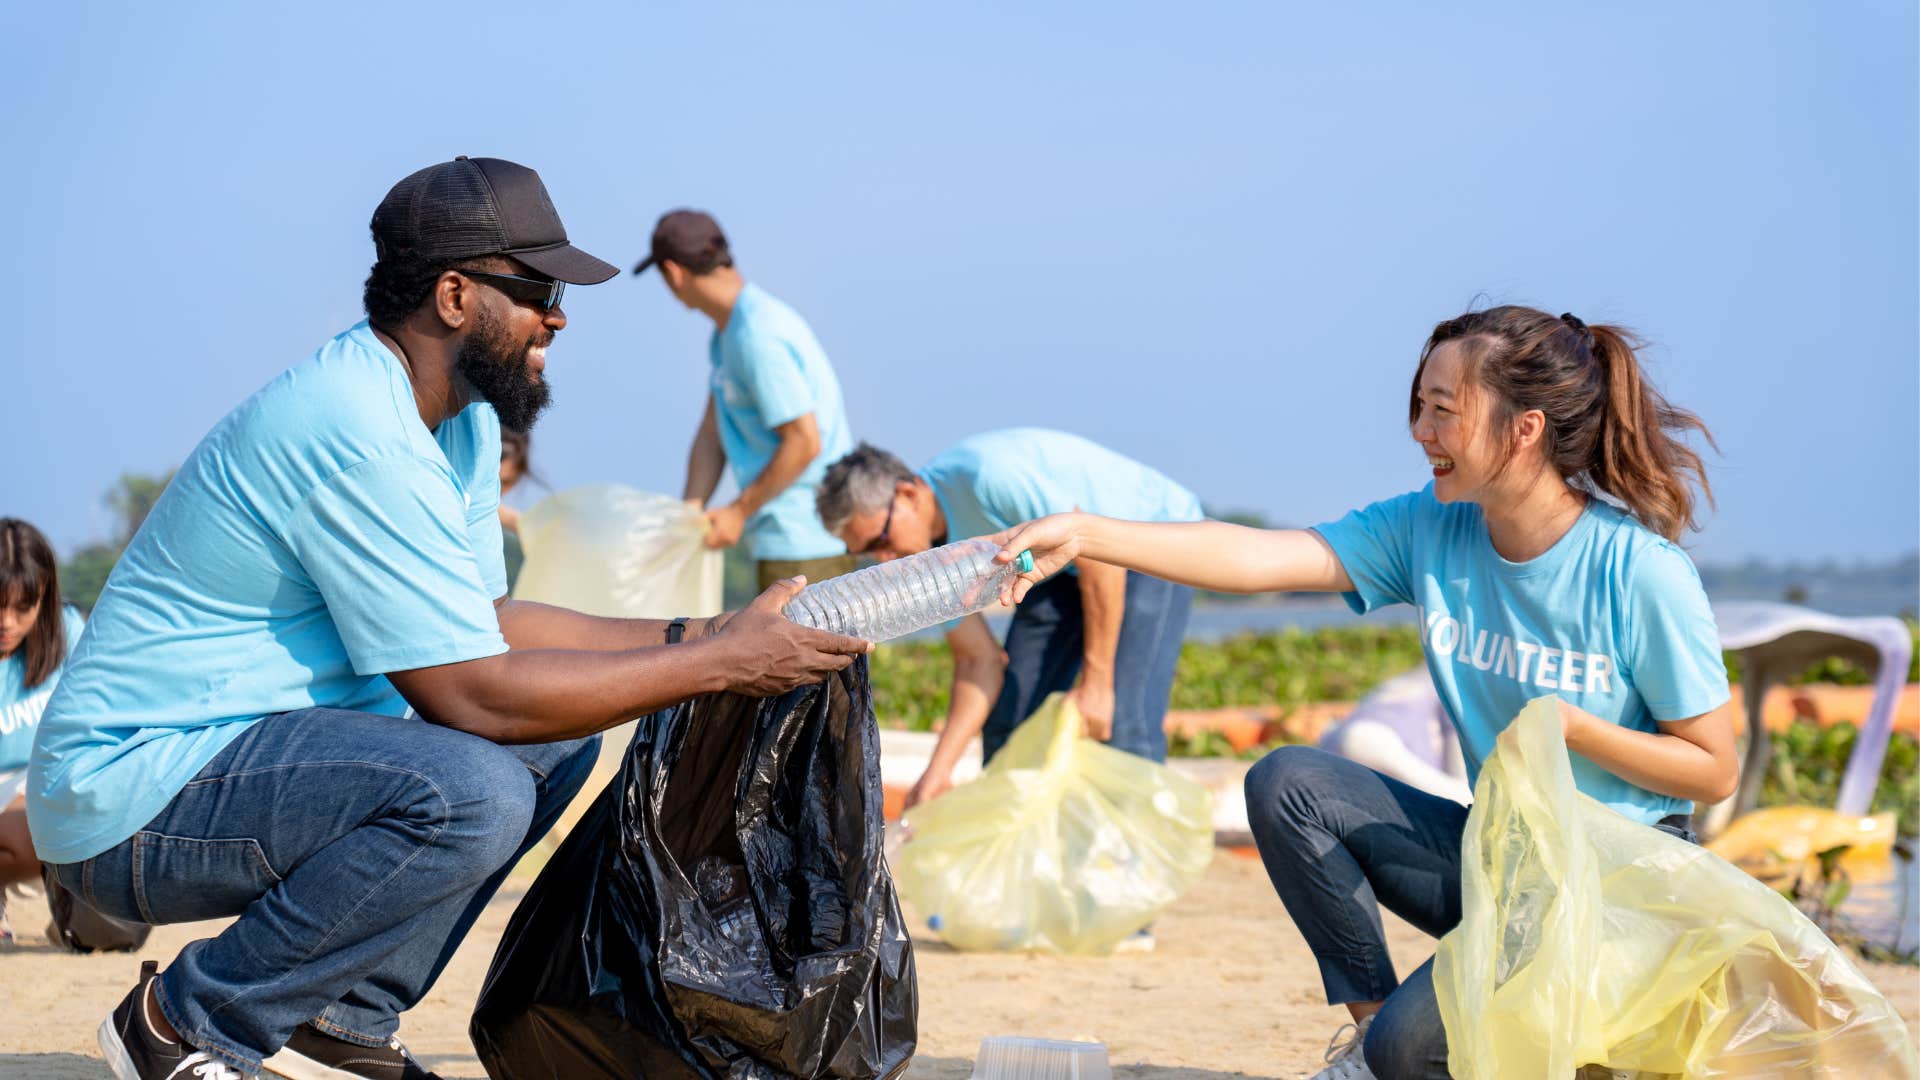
[233, 735]
[773, 412]
[1109, 635]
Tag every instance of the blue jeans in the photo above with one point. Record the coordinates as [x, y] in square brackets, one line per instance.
[1046, 642]
[1338, 841]
[357, 851]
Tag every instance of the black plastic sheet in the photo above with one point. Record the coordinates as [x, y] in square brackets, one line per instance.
[723, 909]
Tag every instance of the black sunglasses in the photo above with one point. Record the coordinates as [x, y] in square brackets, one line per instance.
[544, 294]
[886, 528]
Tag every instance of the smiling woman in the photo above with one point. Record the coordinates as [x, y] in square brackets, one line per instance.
[1528, 583]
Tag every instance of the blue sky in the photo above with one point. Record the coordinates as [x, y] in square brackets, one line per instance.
[1214, 240]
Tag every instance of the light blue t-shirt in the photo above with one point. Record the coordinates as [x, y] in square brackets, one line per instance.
[998, 479]
[318, 537]
[769, 370]
[1612, 619]
[21, 706]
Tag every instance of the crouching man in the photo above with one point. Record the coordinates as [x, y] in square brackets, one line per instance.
[304, 698]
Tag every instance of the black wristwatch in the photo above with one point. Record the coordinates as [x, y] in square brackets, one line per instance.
[676, 630]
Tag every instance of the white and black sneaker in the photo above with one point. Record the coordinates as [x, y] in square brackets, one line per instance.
[311, 1054]
[135, 1051]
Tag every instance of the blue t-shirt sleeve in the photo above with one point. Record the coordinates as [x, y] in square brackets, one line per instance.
[386, 543]
[772, 376]
[1671, 643]
[483, 509]
[1375, 546]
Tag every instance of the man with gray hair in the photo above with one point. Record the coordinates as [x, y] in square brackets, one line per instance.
[1107, 635]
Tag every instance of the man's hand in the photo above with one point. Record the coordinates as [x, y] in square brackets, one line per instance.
[932, 784]
[780, 654]
[725, 525]
[1093, 696]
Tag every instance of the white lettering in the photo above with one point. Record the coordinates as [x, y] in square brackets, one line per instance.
[1549, 660]
[1526, 651]
[1504, 665]
[1465, 655]
[1570, 671]
[1445, 632]
[1599, 669]
[1492, 643]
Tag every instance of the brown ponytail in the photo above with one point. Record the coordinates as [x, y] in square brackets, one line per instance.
[1607, 428]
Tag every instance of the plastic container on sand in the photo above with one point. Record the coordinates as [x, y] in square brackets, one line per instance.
[899, 597]
[1014, 1057]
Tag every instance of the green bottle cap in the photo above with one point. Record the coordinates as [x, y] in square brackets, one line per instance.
[1025, 562]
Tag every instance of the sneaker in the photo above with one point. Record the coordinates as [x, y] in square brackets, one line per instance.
[311, 1054]
[137, 1052]
[1344, 1059]
[1140, 941]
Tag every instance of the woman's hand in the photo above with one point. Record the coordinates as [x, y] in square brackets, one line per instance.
[1054, 541]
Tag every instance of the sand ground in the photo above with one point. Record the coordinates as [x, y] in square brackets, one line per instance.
[1230, 991]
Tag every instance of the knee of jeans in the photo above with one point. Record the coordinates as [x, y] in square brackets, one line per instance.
[1405, 1044]
[489, 804]
[1274, 782]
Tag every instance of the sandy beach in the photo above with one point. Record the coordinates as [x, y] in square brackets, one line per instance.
[1230, 991]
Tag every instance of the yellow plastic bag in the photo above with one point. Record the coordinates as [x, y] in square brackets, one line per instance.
[1589, 938]
[1063, 844]
[614, 551]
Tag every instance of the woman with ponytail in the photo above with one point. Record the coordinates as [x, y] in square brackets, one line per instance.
[1543, 559]
[37, 631]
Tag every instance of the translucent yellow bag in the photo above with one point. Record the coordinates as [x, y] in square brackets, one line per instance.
[1589, 938]
[1063, 844]
[614, 551]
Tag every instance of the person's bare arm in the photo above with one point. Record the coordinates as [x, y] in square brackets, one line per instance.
[546, 695]
[1688, 759]
[1103, 604]
[706, 460]
[979, 671]
[1204, 554]
[799, 445]
[530, 625]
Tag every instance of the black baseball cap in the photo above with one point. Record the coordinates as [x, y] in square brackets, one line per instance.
[688, 237]
[469, 207]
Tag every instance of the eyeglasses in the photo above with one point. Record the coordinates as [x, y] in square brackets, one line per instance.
[886, 528]
[544, 294]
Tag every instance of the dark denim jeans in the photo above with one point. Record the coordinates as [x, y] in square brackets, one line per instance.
[1046, 642]
[357, 851]
[1338, 841]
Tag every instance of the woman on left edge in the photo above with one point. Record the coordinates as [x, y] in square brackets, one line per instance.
[37, 632]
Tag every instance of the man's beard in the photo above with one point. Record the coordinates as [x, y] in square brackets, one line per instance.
[496, 371]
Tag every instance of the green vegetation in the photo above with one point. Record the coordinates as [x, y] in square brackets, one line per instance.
[1808, 761]
[1294, 667]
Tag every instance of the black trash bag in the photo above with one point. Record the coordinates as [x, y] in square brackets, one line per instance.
[723, 909]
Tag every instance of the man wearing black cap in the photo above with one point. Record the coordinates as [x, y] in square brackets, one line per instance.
[774, 411]
[236, 731]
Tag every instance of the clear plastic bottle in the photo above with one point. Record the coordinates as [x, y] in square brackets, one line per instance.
[913, 593]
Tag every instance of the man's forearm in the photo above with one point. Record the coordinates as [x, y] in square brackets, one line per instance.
[975, 689]
[799, 445]
[706, 460]
[1103, 605]
[529, 625]
[547, 695]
